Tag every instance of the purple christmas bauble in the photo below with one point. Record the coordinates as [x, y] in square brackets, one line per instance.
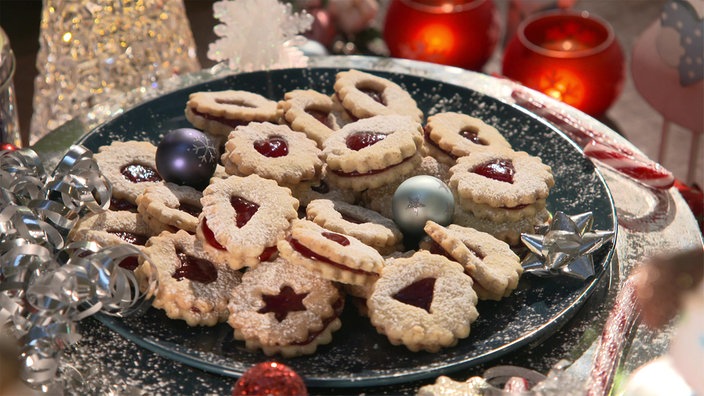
[187, 156]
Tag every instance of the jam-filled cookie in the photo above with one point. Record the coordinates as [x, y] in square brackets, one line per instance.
[171, 205]
[220, 112]
[372, 152]
[244, 216]
[191, 287]
[365, 95]
[502, 185]
[284, 308]
[320, 189]
[380, 199]
[112, 228]
[273, 152]
[130, 166]
[425, 302]
[333, 256]
[458, 135]
[310, 112]
[507, 231]
[364, 224]
[492, 264]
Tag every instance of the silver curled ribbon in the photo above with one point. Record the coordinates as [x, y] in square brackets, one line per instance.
[48, 285]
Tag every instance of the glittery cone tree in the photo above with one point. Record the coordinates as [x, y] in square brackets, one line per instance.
[95, 52]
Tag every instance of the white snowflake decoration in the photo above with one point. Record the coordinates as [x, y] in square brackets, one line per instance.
[258, 34]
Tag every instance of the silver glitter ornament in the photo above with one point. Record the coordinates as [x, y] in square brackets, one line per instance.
[419, 199]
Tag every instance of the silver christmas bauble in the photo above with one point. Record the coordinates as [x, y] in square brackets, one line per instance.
[419, 199]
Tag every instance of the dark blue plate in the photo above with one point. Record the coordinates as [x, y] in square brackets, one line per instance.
[358, 356]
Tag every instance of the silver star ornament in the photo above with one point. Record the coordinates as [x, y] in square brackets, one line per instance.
[564, 247]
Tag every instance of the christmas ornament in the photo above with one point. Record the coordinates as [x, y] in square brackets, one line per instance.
[565, 248]
[8, 147]
[270, 378]
[258, 34]
[188, 157]
[419, 199]
[49, 284]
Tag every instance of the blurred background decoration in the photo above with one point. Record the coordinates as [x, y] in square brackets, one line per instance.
[92, 51]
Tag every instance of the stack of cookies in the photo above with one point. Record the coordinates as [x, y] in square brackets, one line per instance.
[297, 218]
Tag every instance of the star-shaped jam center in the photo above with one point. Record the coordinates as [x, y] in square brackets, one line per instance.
[281, 304]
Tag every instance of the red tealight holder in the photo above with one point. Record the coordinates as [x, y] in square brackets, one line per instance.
[572, 56]
[459, 33]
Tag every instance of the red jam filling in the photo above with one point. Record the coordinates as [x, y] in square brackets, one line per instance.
[419, 294]
[341, 239]
[376, 95]
[272, 147]
[227, 121]
[195, 269]
[281, 304]
[192, 210]
[269, 254]
[244, 209]
[210, 236]
[500, 169]
[304, 251]
[472, 134]
[122, 204]
[337, 306]
[360, 140]
[131, 237]
[370, 173]
[137, 173]
[321, 116]
[129, 263]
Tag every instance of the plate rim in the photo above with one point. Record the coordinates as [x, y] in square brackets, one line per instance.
[558, 320]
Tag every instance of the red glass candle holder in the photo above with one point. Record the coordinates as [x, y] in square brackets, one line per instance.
[572, 56]
[459, 33]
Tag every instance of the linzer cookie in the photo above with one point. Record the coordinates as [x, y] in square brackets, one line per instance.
[310, 112]
[170, 205]
[425, 302]
[365, 95]
[372, 152]
[457, 135]
[507, 231]
[380, 199]
[492, 264]
[191, 287]
[320, 189]
[333, 256]
[130, 167]
[273, 152]
[112, 228]
[244, 216]
[502, 185]
[368, 226]
[220, 112]
[283, 308]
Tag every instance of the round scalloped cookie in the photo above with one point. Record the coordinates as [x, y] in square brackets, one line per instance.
[492, 264]
[272, 151]
[457, 134]
[191, 287]
[218, 113]
[365, 95]
[245, 216]
[507, 231]
[501, 179]
[310, 112]
[368, 226]
[425, 302]
[171, 205]
[130, 167]
[284, 308]
[333, 256]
